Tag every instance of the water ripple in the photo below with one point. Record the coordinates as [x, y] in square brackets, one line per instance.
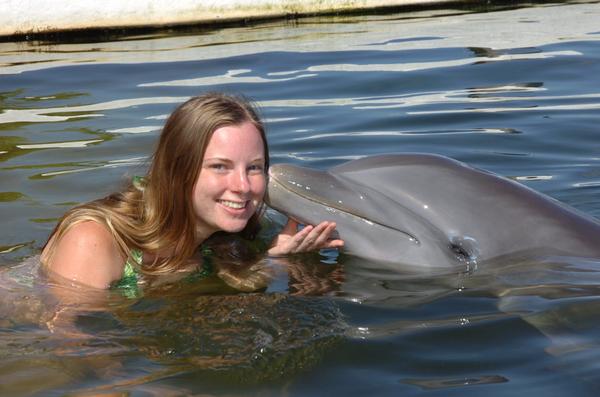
[346, 134]
[136, 130]
[416, 66]
[463, 96]
[231, 77]
[59, 145]
[43, 115]
[134, 161]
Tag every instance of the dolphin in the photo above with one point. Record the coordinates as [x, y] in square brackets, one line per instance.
[430, 212]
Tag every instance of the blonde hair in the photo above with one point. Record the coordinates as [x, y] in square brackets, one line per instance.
[159, 215]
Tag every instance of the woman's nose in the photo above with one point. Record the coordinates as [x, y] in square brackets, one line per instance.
[240, 182]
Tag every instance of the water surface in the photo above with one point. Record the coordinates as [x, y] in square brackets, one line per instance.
[512, 91]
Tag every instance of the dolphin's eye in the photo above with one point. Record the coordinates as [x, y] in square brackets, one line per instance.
[465, 248]
[461, 253]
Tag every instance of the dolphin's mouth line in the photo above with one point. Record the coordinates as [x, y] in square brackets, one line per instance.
[344, 210]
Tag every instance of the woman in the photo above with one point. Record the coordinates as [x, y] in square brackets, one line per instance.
[208, 174]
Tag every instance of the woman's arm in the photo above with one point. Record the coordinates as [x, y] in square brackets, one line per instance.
[87, 254]
[310, 238]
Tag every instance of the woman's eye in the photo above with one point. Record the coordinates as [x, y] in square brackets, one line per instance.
[256, 168]
[218, 167]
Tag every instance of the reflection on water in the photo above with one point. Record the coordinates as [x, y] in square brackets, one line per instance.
[207, 329]
[512, 91]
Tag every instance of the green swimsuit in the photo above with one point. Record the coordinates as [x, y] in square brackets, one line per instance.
[129, 283]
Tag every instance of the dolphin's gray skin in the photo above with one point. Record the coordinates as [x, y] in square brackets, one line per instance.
[430, 211]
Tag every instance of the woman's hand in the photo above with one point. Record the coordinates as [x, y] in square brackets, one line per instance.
[310, 238]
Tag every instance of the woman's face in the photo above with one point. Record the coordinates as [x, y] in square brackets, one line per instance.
[232, 180]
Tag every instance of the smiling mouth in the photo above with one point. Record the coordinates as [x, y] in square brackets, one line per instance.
[236, 205]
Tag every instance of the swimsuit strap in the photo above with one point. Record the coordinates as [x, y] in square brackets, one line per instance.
[128, 284]
[139, 182]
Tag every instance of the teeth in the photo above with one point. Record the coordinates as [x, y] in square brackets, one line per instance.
[233, 204]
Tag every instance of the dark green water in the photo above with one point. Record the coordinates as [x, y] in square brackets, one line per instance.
[514, 91]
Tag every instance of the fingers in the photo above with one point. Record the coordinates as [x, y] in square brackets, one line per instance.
[310, 238]
[318, 238]
[337, 243]
[288, 241]
[325, 234]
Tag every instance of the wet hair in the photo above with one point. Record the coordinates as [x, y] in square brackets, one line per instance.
[159, 215]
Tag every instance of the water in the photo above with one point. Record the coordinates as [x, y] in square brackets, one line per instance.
[514, 91]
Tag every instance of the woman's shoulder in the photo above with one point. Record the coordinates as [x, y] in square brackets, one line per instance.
[87, 253]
